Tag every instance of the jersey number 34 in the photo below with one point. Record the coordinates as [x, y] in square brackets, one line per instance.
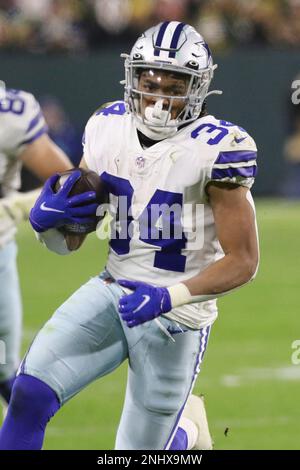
[169, 257]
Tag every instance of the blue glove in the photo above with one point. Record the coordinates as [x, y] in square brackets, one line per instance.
[56, 209]
[146, 302]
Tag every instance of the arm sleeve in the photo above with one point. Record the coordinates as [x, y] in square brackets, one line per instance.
[34, 124]
[236, 163]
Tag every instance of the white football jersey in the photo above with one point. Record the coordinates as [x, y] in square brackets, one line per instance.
[21, 122]
[173, 172]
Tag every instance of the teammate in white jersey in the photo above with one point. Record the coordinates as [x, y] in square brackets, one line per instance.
[23, 141]
[183, 233]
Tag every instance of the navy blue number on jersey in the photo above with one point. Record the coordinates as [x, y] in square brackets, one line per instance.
[12, 103]
[209, 128]
[115, 108]
[154, 223]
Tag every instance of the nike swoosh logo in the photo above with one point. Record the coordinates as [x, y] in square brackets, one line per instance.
[240, 140]
[43, 207]
[145, 301]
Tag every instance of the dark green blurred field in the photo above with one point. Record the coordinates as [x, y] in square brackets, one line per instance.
[250, 383]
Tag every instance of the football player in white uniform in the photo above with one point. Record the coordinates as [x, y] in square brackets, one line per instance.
[162, 157]
[23, 141]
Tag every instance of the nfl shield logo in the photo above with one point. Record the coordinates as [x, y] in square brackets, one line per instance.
[140, 162]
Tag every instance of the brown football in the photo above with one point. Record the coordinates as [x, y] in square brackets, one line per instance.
[75, 234]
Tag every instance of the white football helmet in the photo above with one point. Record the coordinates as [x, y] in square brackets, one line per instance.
[178, 48]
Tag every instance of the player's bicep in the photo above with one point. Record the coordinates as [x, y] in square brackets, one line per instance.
[43, 158]
[235, 221]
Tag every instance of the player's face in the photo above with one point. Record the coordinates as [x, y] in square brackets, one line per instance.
[159, 82]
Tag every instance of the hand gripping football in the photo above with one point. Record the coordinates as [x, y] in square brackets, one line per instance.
[88, 181]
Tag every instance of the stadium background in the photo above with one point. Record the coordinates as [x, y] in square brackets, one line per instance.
[67, 54]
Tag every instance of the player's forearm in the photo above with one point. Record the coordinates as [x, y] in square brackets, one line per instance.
[224, 275]
[44, 158]
[218, 279]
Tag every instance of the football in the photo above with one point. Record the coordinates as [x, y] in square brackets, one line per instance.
[89, 180]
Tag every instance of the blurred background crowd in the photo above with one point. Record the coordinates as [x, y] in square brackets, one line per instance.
[77, 25]
[67, 53]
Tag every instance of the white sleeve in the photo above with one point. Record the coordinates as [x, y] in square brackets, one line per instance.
[88, 140]
[32, 119]
[92, 140]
